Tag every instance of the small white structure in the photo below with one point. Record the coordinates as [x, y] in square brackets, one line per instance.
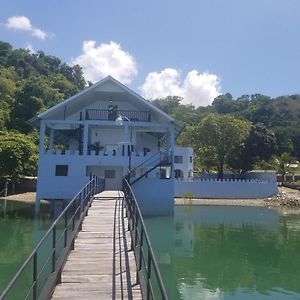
[183, 163]
[107, 130]
[255, 184]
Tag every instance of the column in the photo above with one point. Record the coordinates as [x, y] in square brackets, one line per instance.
[42, 136]
[85, 139]
[172, 148]
[126, 132]
[51, 139]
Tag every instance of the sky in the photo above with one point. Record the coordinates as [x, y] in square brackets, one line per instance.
[196, 49]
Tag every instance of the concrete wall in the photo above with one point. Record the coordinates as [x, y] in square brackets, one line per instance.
[50, 186]
[155, 196]
[242, 189]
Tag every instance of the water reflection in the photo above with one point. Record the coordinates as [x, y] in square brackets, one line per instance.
[20, 230]
[228, 253]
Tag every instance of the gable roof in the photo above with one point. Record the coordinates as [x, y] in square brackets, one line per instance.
[105, 85]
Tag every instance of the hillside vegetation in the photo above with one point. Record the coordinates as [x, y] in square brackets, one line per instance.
[29, 83]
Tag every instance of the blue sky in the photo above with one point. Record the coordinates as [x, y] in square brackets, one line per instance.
[193, 48]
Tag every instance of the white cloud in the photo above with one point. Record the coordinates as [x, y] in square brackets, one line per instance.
[200, 89]
[163, 84]
[106, 59]
[40, 34]
[19, 23]
[22, 23]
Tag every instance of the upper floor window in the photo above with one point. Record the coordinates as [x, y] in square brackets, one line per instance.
[178, 159]
[61, 170]
[191, 159]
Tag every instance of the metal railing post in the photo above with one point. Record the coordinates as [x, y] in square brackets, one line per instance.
[149, 275]
[136, 228]
[34, 292]
[66, 228]
[74, 214]
[54, 248]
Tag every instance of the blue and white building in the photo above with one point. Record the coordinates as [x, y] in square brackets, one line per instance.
[107, 130]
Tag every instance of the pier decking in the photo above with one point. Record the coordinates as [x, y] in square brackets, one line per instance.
[100, 266]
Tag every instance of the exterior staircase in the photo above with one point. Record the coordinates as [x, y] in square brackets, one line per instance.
[158, 160]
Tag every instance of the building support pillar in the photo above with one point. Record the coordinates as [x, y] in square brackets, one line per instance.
[85, 139]
[37, 206]
[171, 144]
[51, 139]
[42, 137]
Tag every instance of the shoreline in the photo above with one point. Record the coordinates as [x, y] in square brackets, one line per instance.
[285, 198]
[22, 197]
[221, 202]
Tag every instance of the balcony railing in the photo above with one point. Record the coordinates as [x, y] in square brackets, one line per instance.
[106, 114]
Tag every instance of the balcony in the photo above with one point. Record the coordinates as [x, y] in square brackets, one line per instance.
[107, 114]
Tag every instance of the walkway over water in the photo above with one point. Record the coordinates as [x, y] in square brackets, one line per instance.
[100, 266]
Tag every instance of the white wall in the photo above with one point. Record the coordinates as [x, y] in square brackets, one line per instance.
[107, 136]
[155, 196]
[226, 189]
[50, 186]
[144, 140]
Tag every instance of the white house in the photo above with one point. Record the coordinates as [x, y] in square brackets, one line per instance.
[183, 163]
[107, 130]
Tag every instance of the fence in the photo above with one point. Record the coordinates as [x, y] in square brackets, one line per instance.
[148, 274]
[41, 271]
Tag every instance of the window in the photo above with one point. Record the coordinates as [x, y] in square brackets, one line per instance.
[178, 159]
[61, 170]
[110, 174]
[191, 159]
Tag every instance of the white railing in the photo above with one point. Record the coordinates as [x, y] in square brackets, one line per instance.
[229, 180]
[118, 153]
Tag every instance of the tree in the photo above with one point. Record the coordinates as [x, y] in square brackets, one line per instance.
[224, 104]
[34, 96]
[223, 135]
[18, 156]
[5, 49]
[283, 163]
[259, 145]
[167, 104]
[8, 78]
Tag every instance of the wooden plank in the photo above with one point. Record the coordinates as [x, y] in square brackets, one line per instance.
[100, 267]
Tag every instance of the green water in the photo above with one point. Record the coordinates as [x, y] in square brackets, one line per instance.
[19, 232]
[207, 252]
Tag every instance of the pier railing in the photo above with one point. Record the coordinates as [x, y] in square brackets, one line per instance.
[41, 271]
[148, 274]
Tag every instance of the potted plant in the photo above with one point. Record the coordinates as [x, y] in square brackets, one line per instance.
[96, 147]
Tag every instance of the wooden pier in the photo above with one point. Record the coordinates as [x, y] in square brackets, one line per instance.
[101, 265]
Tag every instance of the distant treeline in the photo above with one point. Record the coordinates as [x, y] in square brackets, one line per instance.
[281, 115]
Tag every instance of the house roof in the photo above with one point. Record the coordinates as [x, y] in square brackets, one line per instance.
[109, 87]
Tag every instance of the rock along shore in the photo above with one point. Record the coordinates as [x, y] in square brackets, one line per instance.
[286, 197]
